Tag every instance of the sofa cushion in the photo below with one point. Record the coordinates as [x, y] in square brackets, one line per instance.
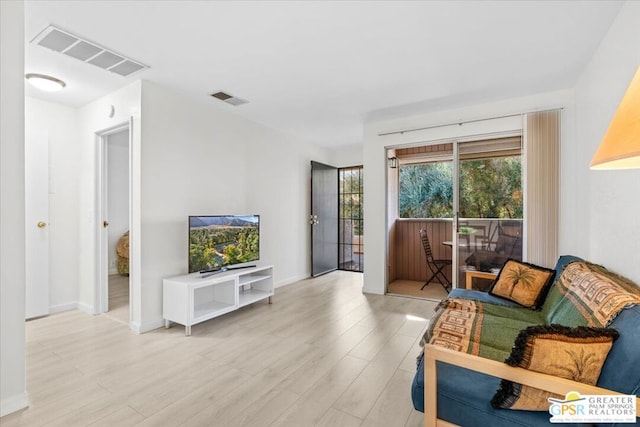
[573, 353]
[524, 283]
[621, 371]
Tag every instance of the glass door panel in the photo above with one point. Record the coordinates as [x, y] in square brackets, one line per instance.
[351, 221]
[489, 204]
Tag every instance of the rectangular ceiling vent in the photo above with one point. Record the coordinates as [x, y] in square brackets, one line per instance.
[229, 99]
[92, 53]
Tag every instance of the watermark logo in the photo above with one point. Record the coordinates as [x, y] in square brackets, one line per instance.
[577, 408]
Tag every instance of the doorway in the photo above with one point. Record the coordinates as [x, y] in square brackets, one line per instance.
[114, 224]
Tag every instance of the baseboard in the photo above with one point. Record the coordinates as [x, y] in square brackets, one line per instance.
[289, 281]
[86, 308]
[141, 328]
[63, 307]
[14, 403]
[135, 327]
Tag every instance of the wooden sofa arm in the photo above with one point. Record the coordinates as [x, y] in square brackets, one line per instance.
[546, 382]
[470, 274]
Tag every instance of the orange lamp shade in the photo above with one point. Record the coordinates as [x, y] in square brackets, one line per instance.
[620, 147]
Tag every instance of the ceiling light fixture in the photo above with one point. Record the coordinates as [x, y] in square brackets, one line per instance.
[44, 82]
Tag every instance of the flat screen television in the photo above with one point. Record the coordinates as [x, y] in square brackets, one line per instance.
[217, 241]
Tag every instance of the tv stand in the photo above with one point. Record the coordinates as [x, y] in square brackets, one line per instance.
[195, 298]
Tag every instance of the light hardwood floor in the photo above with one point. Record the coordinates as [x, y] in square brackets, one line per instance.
[322, 354]
[119, 298]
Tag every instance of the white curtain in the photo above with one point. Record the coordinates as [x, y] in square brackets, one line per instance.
[542, 184]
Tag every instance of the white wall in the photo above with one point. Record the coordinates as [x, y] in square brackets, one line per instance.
[118, 192]
[610, 199]
[198, 159]
[279, 188]
[350, 155]
[58, 124]
[374, 156]
[13, 395]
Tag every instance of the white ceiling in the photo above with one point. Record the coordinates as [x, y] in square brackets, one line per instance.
[319, 69]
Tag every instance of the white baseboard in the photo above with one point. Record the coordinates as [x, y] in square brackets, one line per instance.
[89, 309]
[135, 327]
[63, 307]
[141, 328]
[14, 403]
[290, 281]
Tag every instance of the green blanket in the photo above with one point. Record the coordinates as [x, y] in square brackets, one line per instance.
[585, 294]
[588, 295]
[474, 327]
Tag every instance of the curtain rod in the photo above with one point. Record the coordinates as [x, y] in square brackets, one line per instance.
[448, 124]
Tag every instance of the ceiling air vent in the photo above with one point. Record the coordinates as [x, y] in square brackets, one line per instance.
[81, 49]
[229, 99]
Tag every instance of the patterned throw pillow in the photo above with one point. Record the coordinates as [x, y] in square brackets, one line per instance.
[573, 353]
[523, 283]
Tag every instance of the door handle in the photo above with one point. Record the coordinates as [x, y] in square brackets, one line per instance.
[105, 223]
[41, 224]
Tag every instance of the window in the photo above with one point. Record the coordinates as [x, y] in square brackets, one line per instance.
[491, 188]
[426, 190]
[490, 181]
[350, 239]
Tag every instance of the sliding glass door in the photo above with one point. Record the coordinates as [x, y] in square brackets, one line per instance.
[468, 197]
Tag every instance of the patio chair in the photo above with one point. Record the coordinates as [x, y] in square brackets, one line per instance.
[434, 266]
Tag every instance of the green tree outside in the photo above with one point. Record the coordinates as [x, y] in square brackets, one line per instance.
[489, 188]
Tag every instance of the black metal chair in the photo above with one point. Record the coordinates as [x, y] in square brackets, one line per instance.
[435, 266]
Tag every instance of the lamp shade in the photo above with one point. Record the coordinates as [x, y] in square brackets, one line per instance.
[620, 147]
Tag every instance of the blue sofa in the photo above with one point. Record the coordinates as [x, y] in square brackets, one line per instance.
[463, 395]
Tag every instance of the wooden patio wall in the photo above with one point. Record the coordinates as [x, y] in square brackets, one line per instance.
[409, 259]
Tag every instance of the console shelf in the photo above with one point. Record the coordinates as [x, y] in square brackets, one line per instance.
[194, 298]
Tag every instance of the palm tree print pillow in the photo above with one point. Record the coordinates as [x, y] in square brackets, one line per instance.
[573, 353]
[524, 283]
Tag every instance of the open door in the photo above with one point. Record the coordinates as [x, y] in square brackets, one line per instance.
[324, 218]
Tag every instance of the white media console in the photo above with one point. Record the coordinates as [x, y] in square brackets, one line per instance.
[194, 298]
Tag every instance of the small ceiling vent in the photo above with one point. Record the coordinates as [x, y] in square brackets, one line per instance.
[229, 99]
[92, 53]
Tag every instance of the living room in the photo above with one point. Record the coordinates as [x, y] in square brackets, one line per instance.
[598, 219]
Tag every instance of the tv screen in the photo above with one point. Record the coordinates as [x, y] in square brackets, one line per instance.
[218, 241]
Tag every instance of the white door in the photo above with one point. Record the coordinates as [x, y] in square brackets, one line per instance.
[37, 225]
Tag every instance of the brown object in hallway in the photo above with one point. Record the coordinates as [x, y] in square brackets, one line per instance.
[122, 250]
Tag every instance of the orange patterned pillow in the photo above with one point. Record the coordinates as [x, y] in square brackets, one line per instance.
[573, 353]
[523, 283]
